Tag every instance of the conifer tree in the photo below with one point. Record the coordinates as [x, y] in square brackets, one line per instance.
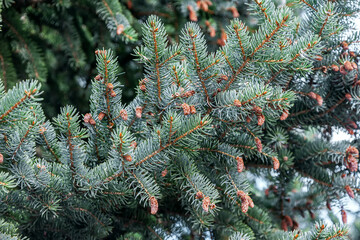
[180, 160]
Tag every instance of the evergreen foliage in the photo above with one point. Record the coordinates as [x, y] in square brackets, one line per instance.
[55, 39]
[182, 158]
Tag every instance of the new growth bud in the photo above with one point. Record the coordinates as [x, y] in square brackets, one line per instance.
[284, 115]
[237, 103]
[186, 108]
[246, 201]
[234, 12]
[92, 121]
[154, 205]
[335, 68]
[128, 158]
[316, 97]
[348, 66]
[87, 117]
[101, 116]
[261, 119]
[98, 77]
[319, 100]
[276, 163]
[258, 144]
[110, 86]
[343, 216]
[112, 93]
[349, 191]
[123, 114]
[348, 96]
[192, 13]
[138, 112]
[343, 70]
[192, 109]
[133, 144]
[205, 204]
[199, 195]
[240, 164]
[164, 172]
[350, 160]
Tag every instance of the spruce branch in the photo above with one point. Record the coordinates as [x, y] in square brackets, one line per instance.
[203, 128]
